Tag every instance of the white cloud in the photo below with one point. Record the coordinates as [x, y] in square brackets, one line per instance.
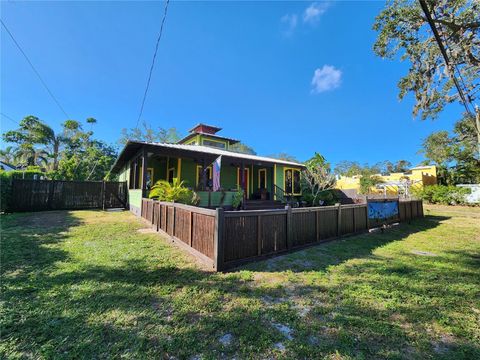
[313, 13]
[325, 79]
[291, 21]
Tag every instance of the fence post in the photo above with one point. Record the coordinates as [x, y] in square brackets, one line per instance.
[51, 191]
[366, 214]
[289, 226]
[103, 195]
[190, 227]
[259, 235]
[174, 216]
[218, 240]
[339, 219]
[353, 218]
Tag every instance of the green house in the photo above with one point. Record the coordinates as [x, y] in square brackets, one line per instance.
[267, 182]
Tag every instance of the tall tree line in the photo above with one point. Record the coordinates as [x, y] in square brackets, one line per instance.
[70, 154]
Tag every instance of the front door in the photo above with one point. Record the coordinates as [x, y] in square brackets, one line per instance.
[262, 178]
[247, 181]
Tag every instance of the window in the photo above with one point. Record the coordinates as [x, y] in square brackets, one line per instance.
[208, 176]
[149, 178]
[131, 181]
[135, 174]
[292, 181]
[262, 178]
[215, 144]
[296, 182]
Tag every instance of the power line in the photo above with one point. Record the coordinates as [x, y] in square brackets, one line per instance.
[9, 118]
[465, 102]
[35, 70]
[456, 67]
[153, 62]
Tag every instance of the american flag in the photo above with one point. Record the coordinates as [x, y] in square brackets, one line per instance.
[217, 164]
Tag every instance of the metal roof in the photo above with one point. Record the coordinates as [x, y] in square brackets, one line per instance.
[132, 148]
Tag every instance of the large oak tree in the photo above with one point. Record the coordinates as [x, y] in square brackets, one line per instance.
[403, 32]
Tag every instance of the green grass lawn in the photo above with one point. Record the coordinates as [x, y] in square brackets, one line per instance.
[88, 284]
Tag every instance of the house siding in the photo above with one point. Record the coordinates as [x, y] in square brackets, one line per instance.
[188, 172]
[159, 169]
[135, 200]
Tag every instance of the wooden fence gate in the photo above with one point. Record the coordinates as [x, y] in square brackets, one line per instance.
[38, 195]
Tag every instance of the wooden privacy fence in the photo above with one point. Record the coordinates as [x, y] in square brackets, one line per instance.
[193, 228]
[38, 195]
[224, 239]
[409, 210]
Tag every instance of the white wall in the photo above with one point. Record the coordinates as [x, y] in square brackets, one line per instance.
[474, 196]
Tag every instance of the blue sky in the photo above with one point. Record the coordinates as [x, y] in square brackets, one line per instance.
[295, 77]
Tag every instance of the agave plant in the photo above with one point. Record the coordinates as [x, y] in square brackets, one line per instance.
[172, 192]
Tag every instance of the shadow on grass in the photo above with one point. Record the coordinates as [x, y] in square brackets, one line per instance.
[137, 310]
[323, 255]
[26, 239]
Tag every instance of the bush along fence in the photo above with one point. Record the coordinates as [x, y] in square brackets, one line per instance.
[38, 195]
[225, 239]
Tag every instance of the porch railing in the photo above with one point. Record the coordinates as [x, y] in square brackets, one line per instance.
[279, 194]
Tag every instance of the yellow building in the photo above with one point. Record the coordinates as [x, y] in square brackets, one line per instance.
[394, 183]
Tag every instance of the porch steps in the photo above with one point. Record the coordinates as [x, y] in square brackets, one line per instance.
[263, 204]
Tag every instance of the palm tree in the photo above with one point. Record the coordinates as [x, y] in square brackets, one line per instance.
[8, 155]
[29, 156]
[33, 131]
[44, 134]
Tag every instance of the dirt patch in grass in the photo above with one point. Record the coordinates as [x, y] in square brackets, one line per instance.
[146, 231]
[42, 220]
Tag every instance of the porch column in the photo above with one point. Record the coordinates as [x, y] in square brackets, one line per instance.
[144, 172]
[272, 185]
[204, 175]
[242, 181]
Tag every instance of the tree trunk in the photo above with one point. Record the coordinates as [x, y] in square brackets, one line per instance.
[56, 147]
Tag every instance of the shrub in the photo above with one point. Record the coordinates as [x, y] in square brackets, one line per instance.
[173, 192]
[326, 197]
[443, 194]
[30, 173]
[237, 198]
[5, 190]
[367, 182]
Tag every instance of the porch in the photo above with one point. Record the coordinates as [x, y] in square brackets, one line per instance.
[258, 178]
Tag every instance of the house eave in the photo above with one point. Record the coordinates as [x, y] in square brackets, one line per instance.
[193, 151]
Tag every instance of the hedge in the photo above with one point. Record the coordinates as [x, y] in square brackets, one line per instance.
[442, 194]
